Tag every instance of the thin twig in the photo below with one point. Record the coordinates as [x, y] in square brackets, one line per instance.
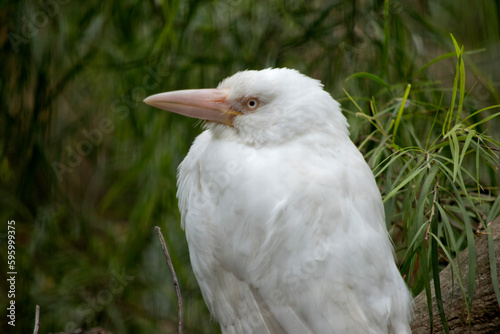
[174, 277]
[37, 320]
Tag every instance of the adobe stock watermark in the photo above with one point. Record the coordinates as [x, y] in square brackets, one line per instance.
[481, 91]
[86, 311]
[201, 204]
[31, 24]
[225, 10]
[74, 155]
[370, 31]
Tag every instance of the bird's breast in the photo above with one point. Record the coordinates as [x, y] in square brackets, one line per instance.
[232, 196]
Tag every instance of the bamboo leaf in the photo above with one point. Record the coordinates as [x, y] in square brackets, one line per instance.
[466, 145]
[410, 177]
[480, 111]
[416, 236]
[454, 153]
[449, 115]
[354, 102]
[401, 108]
[435, 60]
[461, 95]
[471, 247]
[427, 284]
[493, 265]
[370, 76]
[425, 191]
[494, 212]
[392, 158]
[449, 229]
[435, 273]
[483, 120]
[453, 266]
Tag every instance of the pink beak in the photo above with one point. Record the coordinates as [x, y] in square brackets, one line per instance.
[207, 104]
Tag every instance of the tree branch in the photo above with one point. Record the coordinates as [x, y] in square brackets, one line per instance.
[37, 320]
[484, 316]
[174, 277]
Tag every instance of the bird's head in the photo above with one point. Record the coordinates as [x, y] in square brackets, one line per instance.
[258, 107]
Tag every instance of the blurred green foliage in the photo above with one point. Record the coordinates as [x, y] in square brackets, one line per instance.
[87, 169]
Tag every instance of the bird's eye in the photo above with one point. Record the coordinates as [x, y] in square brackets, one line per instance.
[252, 103]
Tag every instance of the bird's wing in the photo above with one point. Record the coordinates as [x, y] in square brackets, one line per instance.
[285, 241]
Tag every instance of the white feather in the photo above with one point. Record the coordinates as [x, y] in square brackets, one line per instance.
[284, 220]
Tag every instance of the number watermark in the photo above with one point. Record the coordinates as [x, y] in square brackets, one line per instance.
[11, 272]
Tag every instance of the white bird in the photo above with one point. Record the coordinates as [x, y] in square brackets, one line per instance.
[284, 220]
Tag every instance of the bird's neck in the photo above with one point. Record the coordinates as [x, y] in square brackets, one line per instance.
[275, 137]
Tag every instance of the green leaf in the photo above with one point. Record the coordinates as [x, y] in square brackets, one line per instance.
[454, 268]
[370, 76]
[352, 100]
[494, 212]
[427, 284]
[449, 115]
[483, 120]
[466, 145]
[401, 108]
[451, 236]
[410, 177]
[493, 265]
[435, 60]
[416, 236]
[435, 273]
[471, 247]
[480, 111]
[454, 153]
[392, 158]
[426, 192]
[461, 66]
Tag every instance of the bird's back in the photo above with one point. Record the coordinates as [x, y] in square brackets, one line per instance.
[290, 238]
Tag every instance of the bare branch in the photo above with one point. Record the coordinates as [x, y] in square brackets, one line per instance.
[37, 320]
[174, 277]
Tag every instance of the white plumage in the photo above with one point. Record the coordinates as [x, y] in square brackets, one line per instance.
[284, 220]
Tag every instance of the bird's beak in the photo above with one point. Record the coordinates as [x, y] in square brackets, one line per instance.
[207, 104]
